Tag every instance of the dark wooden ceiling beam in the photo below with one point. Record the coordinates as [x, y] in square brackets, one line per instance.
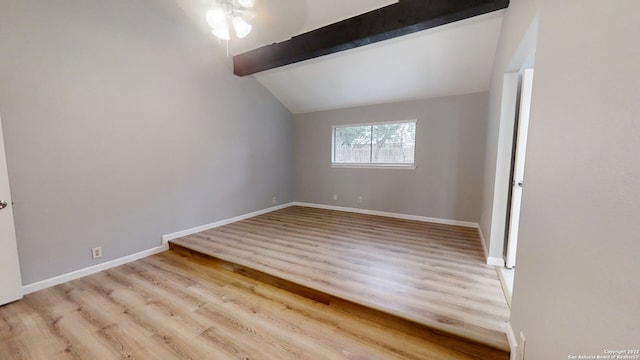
[402, 18]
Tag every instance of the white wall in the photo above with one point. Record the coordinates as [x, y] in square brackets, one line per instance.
[576, 289]
[446, 183]
[122, 123]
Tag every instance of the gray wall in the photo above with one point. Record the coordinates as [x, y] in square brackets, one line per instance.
[576, 284]
[122, 123]
[447, 182]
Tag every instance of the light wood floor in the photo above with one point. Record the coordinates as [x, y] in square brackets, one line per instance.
[432, 274]
[169, 306]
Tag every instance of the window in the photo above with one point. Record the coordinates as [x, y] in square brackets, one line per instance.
[383, 144]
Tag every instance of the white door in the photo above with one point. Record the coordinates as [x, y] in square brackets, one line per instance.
[10, 281]
[518, 168]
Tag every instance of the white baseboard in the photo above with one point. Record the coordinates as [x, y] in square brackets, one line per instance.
[503, 283]
[484, 246]
[166, 238]
[493, 261]
[390, 214]
[513, 341]
[40, 285]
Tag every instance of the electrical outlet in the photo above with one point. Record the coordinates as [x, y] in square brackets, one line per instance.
[274, 200]
[335, 197]
[521, 347]
[360, 198]
[96, 252]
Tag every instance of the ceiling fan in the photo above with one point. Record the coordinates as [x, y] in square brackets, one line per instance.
[225, 15]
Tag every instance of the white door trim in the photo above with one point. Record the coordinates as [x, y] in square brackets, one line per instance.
[519, 164]
[501, 185]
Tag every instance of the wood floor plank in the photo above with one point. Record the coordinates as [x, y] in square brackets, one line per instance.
[433, 274]
[357, 264]
[174, 306]
[337, 320]
[438, 344]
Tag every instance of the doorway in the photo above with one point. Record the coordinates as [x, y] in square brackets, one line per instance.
[522, 58]
[10, 279]
[517, 104]
[517, 166]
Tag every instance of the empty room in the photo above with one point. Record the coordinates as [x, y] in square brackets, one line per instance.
[280, 179]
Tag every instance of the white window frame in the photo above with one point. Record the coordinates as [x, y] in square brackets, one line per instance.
[371, 165]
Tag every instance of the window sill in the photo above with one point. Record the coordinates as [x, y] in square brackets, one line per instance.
[374, 166]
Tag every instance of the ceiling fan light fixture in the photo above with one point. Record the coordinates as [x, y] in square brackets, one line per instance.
[222, 32]
[247, 3]
[224, 14]
[217, 18]
[241, 27]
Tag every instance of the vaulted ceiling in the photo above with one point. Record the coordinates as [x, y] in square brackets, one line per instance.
[456, 58]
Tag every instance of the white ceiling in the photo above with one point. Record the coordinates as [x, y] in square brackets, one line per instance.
[448, 60]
